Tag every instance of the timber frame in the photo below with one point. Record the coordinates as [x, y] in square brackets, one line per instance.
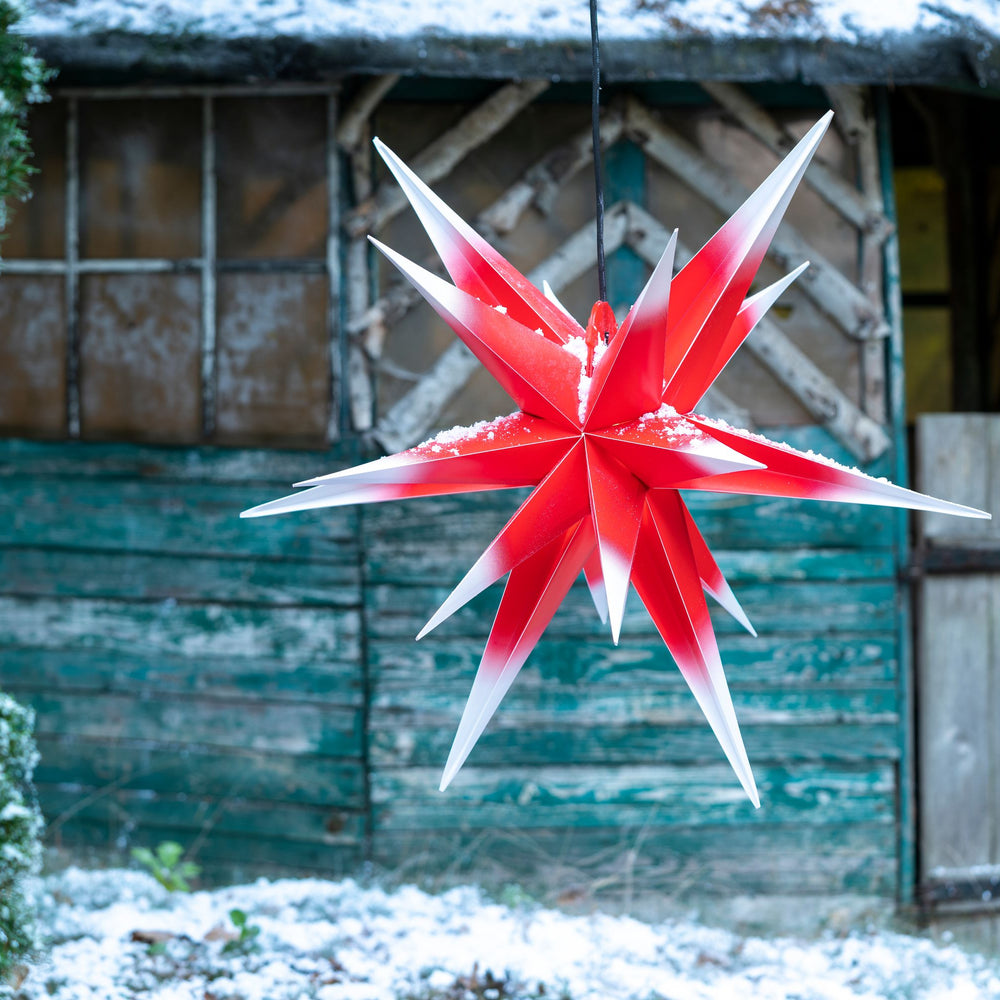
[856, 310]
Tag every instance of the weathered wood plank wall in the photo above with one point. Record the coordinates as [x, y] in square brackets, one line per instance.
[202, 678]
[599, 768]
[195, 678]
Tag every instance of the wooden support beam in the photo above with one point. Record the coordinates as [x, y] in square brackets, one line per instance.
[818, 394]
[859, 129]
[412, 418]
[833, 293]
[360, 390]
[353, 128]
[336, 338]
[439, 158]
[542, 182]
[768, 344]
[858, 207]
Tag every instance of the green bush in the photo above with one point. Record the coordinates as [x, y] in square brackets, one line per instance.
[22, 82]
[20, 830]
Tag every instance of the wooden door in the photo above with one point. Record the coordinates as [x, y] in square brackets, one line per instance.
[958, 673]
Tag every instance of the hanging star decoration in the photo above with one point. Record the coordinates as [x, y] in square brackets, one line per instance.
[606, 436]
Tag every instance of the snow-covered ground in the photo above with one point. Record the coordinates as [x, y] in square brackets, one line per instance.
[118, 934]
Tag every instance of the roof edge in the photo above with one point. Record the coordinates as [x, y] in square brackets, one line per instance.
[114, 57]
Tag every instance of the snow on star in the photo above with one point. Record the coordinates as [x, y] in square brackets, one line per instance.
[605, 434]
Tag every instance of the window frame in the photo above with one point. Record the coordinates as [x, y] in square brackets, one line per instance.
[207, 265]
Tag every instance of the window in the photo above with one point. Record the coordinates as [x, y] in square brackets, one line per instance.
[175, 277]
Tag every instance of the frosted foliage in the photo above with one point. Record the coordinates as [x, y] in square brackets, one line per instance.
[20, 829]
[322, 940]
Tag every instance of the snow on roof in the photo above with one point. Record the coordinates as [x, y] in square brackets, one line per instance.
[862, 40]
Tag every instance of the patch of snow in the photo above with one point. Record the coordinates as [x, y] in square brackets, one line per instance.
[814, 456]
[577, 346]
[664, 412]
[449, 439]
[322, 940]
[538, 20]
[14, 810]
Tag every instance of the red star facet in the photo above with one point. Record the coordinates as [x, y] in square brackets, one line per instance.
[605, 435]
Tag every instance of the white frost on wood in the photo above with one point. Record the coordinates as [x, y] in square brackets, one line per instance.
[847, 20]
[323, 940]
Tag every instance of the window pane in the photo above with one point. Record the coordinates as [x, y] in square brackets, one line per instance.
[32, 355]
[140, 357]
[140, 172]
[273, 358]
[271, 158]
[37, 227]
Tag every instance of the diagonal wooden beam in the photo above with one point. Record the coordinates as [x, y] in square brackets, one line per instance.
[768, 344]
[833, 293]
[858, 207]
[439, 158]
[542, 182]
[352, 130]
[536, 188]
[413, 417]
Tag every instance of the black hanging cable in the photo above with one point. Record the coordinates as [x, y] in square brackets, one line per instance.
[595, 122]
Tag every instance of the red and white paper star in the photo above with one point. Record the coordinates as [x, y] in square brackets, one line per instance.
[606, 436]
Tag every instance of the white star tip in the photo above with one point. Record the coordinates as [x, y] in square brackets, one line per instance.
[726, 599]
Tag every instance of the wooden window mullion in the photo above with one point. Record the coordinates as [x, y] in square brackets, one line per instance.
[72, 260]
[208, 254]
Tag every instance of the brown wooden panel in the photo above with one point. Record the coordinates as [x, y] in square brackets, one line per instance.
[748, 161]
[273, 359]
[140, 357]
[272, 177]
[37, 227]
[140, 178]
[32, 355]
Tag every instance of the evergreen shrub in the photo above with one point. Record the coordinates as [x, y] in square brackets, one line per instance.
[22, 82]
[20, 832]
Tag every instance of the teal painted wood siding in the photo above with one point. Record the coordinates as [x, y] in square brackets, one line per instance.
[195, 678]
[599, 753]
[253, 690]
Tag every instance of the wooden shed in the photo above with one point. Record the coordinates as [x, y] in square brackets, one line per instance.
[191, 319]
